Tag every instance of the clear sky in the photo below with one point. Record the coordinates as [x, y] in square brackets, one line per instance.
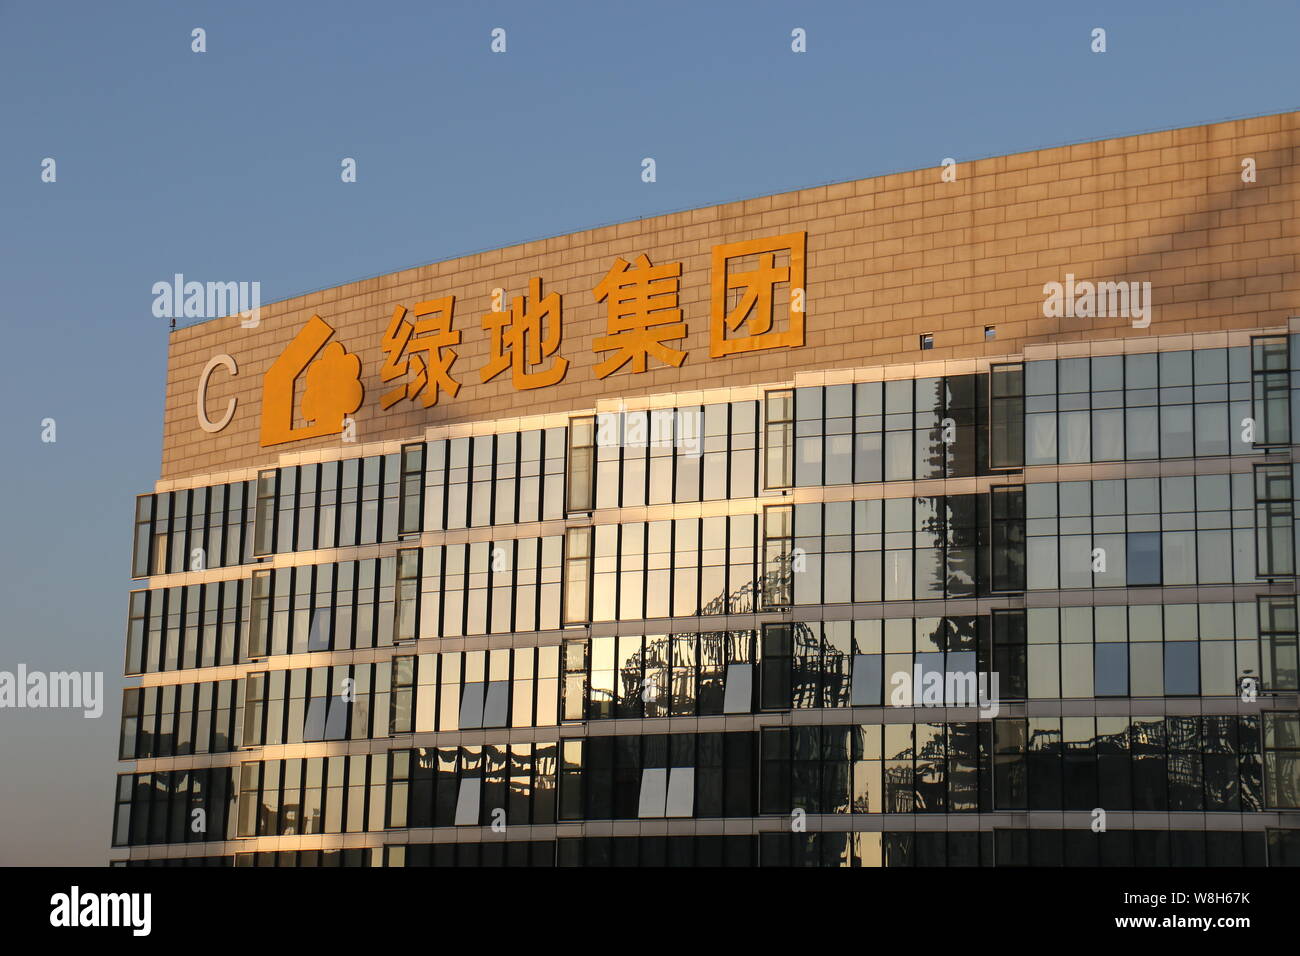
[225, 166]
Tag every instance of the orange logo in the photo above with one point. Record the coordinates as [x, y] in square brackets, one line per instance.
[331, 392]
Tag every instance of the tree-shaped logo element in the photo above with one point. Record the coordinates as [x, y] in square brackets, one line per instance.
[332, 388]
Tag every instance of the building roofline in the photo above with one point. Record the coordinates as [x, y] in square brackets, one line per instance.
[727, 202]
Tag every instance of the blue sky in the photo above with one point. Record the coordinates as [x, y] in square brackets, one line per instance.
[225, 165]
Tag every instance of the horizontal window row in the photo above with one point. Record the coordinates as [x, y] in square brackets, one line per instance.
[336, 504]
[1202, 650]
[1148, 650]
[1004, 847]
[314, 795]
[1207, 402]
[1212, 764]
[351, 604]
[494, 786]
[898, 430]
[1207, 529]
[174, 806]
[181, 719]
[517, 687]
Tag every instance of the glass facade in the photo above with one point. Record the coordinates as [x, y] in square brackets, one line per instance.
[879, 623]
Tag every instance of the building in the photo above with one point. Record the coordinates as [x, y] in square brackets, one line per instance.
[944, 517]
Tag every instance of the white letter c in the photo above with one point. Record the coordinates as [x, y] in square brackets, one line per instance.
[204, 422]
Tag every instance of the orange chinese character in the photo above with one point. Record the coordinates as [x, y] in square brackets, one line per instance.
[519, 332]
[643, 315]
[432, 333]
[757, 304]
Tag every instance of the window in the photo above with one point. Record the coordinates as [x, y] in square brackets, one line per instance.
[1142, 558]
[1008, 537]
[1282, 760]
[259, 615]
[1277, 636]
[778, 439]
[575, 680]
[402, 699]
[774, 782]
[136, 630]
[1009, 653]
[255, 688]
[1182, 668]
[122, 816]
[264, 515]
[250, 779]
[406, 604]
[990, 332]
[778, 556]
[577, 576]
[1110, 669]
[927, 341]
[1010, 787]
[1270, 389]
[667, 792]
[411, 507]
[161, 529]
[776, 667]
[143, 529]
[1007, 416]
[581, 495]
[738, 693]
[399, 787]
[1274, 521]
[866, 680]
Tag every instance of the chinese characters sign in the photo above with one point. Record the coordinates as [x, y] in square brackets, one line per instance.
[757, 298]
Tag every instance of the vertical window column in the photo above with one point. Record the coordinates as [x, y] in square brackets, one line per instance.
[1277, 638]
[259, 615]
[778, 439]
[1007, 544]
[1270, 389]
[264, 515]
[411, 509]
[1007, 416]
[577, 576]
[1274, 521]
[778, 559]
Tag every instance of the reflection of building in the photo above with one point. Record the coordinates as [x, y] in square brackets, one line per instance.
[432, 601]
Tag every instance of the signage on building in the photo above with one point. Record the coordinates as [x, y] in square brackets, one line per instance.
[757, 301]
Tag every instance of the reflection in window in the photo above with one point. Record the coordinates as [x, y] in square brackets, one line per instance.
[776, 667]
[1008, 537]
[779, 558]
[1282, 760]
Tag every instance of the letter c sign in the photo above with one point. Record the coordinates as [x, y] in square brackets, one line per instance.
[207, 424]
